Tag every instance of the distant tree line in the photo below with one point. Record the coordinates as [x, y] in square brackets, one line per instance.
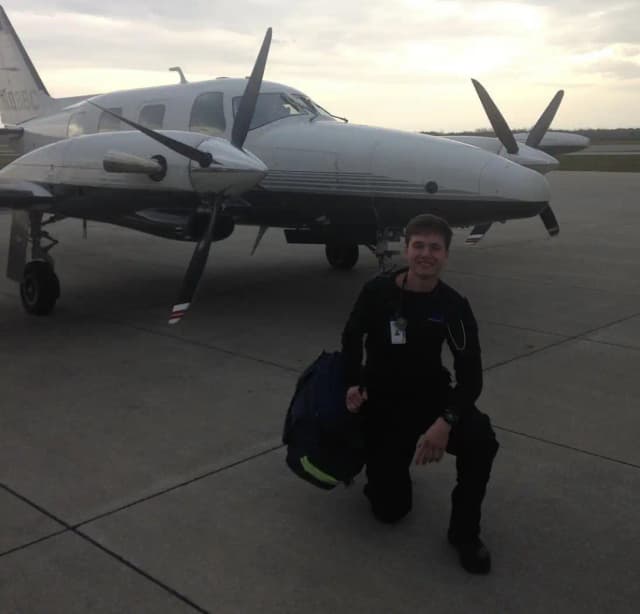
[621, 135]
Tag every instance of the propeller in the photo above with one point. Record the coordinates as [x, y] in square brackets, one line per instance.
[239, 133]
[213, 207]
[503, 132]
[196, 266]
[247, 106]
[549, 220]
[498, 122]
[544, 121]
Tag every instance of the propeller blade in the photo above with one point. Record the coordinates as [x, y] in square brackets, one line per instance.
[498, 122]
[542, 125]
[203, 158]
[477, 233]
[195, 269]
[261, 231]
[247, 106]
[549, 220]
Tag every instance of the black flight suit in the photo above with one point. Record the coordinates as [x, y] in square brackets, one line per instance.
[408, 388]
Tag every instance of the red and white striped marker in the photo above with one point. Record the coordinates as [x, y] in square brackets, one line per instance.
[178, 312]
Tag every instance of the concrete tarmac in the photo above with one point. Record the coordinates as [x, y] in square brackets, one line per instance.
[141, 468]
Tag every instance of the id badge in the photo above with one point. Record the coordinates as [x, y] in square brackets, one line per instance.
[398, 333]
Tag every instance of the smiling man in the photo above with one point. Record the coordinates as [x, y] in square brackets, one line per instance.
[411, 409]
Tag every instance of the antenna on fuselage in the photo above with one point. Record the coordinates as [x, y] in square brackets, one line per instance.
[179, 71]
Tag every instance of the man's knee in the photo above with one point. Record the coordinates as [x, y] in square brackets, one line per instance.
[389, 504]
[474, 435]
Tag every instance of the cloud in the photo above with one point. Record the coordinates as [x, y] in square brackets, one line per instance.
[403, 60]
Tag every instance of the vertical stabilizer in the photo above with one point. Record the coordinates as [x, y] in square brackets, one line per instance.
[23, 95]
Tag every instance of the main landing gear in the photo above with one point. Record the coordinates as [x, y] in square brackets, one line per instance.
[39, 288]
[342, 256]
[39, 285]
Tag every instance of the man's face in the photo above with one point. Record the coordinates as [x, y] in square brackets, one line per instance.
[426, 255]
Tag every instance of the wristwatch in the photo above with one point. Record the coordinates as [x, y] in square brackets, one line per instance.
[450, 417]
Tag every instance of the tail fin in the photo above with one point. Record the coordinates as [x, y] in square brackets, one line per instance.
[23, 95]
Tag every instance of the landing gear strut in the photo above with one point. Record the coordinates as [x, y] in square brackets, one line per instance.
[342, 256]
[381, 249]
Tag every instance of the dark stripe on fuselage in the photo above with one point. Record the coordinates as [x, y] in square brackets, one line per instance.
[285, 209]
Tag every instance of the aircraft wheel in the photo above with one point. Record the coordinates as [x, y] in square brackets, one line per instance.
[342, 256]
[40, 288]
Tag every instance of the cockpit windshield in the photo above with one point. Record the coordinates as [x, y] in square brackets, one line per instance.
[272, 107]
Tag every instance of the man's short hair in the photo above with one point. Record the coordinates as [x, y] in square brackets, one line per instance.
[426, 223]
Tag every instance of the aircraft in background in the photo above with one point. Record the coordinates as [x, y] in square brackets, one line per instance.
[288, 164]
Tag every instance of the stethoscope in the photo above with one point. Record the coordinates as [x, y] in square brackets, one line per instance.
[401, 321]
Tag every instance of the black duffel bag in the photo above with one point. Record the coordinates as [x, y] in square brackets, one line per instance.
[325, 445]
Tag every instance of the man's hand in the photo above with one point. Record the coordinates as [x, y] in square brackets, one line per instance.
[356, 396]
[433, 443]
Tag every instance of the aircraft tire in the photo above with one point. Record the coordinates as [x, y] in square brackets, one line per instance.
[40, 288]
[342, 256]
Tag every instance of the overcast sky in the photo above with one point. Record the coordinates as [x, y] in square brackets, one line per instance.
[394, 63]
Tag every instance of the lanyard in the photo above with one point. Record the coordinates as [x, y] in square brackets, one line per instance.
[401, 320]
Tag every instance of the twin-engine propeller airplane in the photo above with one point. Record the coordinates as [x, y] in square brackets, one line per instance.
[321, 180]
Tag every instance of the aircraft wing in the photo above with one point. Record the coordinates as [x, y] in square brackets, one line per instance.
[22, 194]
[11, 132]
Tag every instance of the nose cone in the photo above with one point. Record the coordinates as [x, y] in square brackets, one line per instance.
[501, 179]
[234, 171]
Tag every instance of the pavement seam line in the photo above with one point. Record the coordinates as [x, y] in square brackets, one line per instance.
[179, 485]
[567, 447]
[32, 543]
[197, 343]
[529, 281]
[583, 336]
[71, 529]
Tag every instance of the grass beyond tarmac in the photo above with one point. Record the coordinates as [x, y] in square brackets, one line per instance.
[603, 163]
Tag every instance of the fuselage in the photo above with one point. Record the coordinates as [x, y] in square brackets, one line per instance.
[321, 171]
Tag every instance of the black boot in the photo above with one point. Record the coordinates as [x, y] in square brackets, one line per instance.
[474, 555]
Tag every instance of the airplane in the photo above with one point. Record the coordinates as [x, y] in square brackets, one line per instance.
[291, 165]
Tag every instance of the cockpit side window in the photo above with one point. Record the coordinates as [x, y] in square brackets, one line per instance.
[207, 114]
[76, 125]
[152, 116]
[108, 123]
[272, 107]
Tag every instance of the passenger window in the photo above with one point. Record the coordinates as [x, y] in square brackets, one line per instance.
[76, 124]
[108, 123]
[152, 116]
[207, 114]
